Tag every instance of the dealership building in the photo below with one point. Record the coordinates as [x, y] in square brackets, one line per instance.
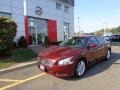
[52, 18]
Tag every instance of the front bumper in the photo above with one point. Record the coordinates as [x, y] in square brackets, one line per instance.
[59, 71]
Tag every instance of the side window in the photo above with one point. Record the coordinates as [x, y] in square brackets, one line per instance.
[92, 41]
[80, 42]
[100, 40]
[66, 9]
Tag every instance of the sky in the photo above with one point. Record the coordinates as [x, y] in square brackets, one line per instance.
[96, 14]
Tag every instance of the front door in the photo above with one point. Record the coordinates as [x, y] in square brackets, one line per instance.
[92, 52]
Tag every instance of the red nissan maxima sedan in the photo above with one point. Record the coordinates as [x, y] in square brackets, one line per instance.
[73, 56]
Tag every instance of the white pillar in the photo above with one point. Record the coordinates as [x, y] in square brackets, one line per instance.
[25, 7]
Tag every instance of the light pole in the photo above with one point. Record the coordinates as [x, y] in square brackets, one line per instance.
[105, 27]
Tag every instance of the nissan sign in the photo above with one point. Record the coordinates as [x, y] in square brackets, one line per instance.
[38, 10]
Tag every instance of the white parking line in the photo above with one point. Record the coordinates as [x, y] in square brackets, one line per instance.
[22, 81]
[9, 80]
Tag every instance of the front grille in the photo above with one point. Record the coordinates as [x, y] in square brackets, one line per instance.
[47, 62]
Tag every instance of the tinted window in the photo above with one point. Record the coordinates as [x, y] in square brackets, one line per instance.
[92, 41]
[101, 40]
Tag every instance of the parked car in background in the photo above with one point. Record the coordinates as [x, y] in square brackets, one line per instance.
[73, 56]
[108, 38]
[116, 38]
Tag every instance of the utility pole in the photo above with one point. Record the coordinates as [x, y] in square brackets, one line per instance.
[79, 25]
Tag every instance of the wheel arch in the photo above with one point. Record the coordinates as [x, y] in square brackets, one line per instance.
[82, 58]
[109, 49]
[78, 59]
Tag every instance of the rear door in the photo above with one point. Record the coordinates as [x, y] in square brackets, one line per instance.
[101, 46]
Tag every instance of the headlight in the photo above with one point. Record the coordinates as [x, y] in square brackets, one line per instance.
[65, 61]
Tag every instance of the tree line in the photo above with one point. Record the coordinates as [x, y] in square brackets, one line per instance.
[115, 30]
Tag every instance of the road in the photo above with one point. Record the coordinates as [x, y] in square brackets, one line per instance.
[104, 75]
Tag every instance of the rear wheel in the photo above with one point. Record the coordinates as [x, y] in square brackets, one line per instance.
[80, 68]
[108, 55]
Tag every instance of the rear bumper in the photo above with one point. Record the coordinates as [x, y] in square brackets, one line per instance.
[59, 71]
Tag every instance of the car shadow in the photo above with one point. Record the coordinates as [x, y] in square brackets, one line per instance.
[99, 67]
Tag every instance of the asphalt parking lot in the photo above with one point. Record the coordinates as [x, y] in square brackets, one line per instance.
[104, 75]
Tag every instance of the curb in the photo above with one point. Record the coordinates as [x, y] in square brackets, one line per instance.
[18, 67]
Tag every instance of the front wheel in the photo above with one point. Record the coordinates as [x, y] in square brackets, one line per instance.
[80, 68]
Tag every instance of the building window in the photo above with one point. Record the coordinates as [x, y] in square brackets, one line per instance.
[58, 6]
[5, 14]
[66, 9]
[66, 30]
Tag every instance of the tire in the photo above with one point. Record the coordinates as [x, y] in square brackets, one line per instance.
[80, 68]
[108, 55]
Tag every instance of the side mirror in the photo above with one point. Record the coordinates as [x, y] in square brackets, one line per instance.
[92, 46]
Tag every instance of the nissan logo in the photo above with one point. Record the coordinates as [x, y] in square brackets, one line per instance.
[38, 10]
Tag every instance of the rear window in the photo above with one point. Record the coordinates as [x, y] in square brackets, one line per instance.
[92, 41]
[101, 40]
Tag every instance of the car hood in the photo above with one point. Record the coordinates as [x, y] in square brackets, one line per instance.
[59, 52]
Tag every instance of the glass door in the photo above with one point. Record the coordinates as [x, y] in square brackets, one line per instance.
[32, 31]
[37, 31]
[32, 35]
[66, 31]
[41, 29]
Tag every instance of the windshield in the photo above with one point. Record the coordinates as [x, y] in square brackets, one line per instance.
[74, 42]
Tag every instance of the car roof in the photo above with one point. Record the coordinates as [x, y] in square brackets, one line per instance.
[84, 36]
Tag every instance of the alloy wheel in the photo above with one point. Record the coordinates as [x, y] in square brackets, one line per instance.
[108, 55]
[80, 68]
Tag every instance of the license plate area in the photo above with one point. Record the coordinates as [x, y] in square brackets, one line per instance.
[42, 67]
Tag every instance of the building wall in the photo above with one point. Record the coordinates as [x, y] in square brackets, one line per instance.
[50, 12]
[16, 8]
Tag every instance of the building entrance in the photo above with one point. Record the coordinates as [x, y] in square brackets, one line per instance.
[37, 30]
